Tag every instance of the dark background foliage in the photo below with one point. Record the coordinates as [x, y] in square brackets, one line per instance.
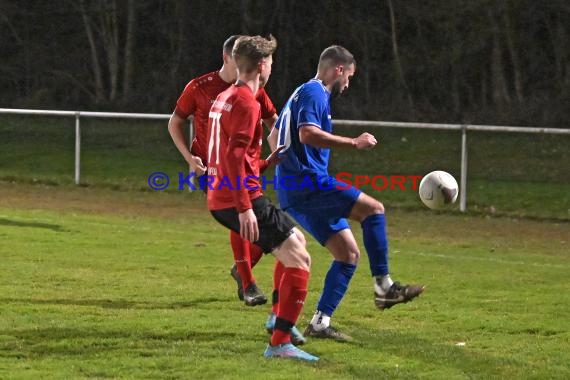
[473, 61]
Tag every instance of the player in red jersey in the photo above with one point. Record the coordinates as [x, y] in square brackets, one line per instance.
[196, 100]
[236, 201]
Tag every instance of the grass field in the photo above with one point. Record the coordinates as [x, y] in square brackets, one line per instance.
[98, 283]
[112, 280]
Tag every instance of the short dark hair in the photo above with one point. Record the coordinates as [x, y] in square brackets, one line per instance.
[250, 50]
[335, 55]
[229, 44]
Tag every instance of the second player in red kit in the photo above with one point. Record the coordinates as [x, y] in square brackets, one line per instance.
[234, 148]
[196, 100]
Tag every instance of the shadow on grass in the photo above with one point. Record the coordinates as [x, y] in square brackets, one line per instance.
[14, 223]
[63, 341]
[117, 304]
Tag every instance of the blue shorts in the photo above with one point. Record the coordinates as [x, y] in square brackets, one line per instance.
[324, 211]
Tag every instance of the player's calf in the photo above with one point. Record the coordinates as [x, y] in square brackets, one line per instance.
[293, 287]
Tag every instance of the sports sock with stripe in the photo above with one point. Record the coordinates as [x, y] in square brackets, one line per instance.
[277, 277]
[292, 294]
[242, 258]
[255, 254]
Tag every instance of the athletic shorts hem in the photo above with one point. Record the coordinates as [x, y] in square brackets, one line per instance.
[275, 226]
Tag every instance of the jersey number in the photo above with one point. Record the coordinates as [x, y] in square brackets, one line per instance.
[214, 136]
[285, 130]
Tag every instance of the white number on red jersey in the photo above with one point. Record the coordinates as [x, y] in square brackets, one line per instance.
[215, 136]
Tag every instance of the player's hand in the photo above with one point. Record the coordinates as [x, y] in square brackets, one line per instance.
[365, 141]
[196, 165]
[248, 225]
[273, 158]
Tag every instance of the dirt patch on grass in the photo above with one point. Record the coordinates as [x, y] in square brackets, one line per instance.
[102, 201]
[455, 228]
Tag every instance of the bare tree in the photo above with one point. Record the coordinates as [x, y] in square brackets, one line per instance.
[130, 41]
[397, 62]
[109, 33]
[513, 52]
[558, 33]
[250, 22]
[102, 21]
[500, 92]
[95, 60]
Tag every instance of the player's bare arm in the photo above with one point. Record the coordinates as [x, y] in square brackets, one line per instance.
[270, 122]
[273, 139]
[314, 136]
[176, 126]
[273, 136]
[273, 158]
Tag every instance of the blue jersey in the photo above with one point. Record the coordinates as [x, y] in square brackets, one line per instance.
[309, 105]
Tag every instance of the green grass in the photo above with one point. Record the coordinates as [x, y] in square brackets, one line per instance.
[96, 283]
[508, 174]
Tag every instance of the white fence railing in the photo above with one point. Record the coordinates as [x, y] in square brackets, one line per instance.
[354, 123]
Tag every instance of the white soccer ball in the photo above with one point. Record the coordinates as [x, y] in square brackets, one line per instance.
[438, 189]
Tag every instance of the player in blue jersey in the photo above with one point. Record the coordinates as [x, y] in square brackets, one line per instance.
[320, 203]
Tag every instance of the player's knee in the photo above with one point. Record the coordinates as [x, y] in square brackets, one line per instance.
[348, 255]
[365, 207]
[376, 207]
[307, 261]
[300, 236]
[301, 259]
[292, 254]
[354, 256]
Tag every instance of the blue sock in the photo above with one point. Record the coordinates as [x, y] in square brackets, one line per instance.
[376, 243]
[336, 284]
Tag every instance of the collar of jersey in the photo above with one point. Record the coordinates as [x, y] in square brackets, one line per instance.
[322, 84]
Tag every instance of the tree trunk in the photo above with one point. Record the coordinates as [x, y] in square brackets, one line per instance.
[95, 61]
[484, 89]
[455, 71]
[500, 91]
[283, 10]
[558, 36]
[249, 22]
[366, 61]
[515, 61]
[397, 63]
[565, 72]
[455, 91]
[129, 50]
[110, 35]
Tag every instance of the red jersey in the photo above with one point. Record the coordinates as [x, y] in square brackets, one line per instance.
[235, 135]
[197, 98]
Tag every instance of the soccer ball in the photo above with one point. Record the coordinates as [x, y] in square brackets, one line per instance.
[438, 189]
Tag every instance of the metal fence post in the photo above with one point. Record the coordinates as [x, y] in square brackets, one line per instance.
[463, 185]
[77, 148]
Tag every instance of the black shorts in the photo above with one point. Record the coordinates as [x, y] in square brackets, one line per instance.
[274, 225]
[203, 182]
